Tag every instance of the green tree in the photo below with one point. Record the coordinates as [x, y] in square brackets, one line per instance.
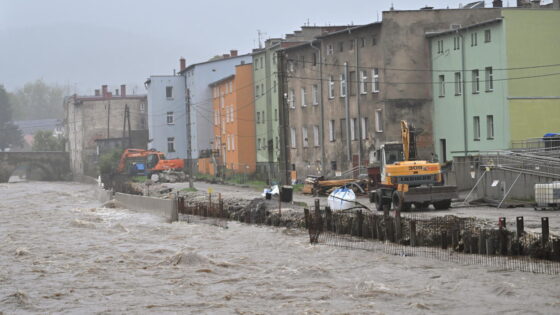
[109, 161]
[45, 141]
[37, 100]
[10, 135]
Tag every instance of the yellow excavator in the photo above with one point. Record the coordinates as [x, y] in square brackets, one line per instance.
[405, 181]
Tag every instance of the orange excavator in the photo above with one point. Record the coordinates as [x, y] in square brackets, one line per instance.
[153, 161]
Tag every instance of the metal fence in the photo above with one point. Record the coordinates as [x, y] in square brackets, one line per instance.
[448, 238]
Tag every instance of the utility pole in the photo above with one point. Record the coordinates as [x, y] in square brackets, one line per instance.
[282, 132]
[127, 109]
[189, 148]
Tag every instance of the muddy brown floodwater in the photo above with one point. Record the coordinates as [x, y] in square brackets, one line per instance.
[61, 252]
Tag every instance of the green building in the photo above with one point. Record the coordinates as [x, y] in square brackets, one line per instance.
[495, 83]
[265, 87]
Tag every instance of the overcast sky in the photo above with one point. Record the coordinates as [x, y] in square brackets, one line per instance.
[87, 43]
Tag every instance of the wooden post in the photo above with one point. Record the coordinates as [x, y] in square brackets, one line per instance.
[318, 220]
[556, 249]
[221, 206]
[279, 205]
[474, 245]
[444, 239]
[373, 226]
[520, 227]
[413, 233]
[490, 249]
[397, 226]
[503, 236]
[454, 239]
[209, 203]
[360, 219]
[482, 243]
[308, 224]
[328, 218]
[544, 226]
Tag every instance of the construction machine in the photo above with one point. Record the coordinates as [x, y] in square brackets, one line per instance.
[403, 181]
[135, 161]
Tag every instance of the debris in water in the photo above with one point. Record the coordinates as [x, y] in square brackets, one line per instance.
[22, 251]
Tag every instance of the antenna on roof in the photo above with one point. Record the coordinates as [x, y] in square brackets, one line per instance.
[260, 34]
[392, 7]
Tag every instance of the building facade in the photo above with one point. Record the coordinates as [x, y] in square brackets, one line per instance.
[167, 116]
[233, 123]
[198, 78]
[99, 116]
[491, 87]
[350, 89]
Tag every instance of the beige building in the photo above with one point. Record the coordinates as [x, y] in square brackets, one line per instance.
[100, 118]
[347, 91]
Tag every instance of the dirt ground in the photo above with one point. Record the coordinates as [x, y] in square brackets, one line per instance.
[532, 218]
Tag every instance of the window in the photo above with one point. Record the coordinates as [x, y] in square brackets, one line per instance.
[291, 65]
[456, 43]
[171, 144]
[342, 85]
[457, 83]
[303, 97]
[331, 87]
[364, 128]
[256, 63]
[262, 88]
[343, 130]
[440, 46]
[304, 137]
[228, 146]
[258, 143]
[489, 79]
[352, 44]
[258, 90]
[373, 41]
[223, 125]
[222, 101]
[216, 118]
[292, 99]
[274, 58]
[489, 127]
[314, 59]
[330, 49]
[476, 129]
[169, 91]
[375, 83]
[262, 116]
[487, 36]
[341, 46]
[474, 39]
[258, 117]
[475, 81]
[275, 114]
[441, 85]
[231, 113]
[362, 42]
[293, 137]
[274, 86]
[316, 136]
[302, 61]
[331, 130]
[379, 120]
[315, 94]
[353, 126]
[277, 143]
[232, 142]
[170, 120]
[363, 83]
[142, 123]
[350, 84]
[142, 107]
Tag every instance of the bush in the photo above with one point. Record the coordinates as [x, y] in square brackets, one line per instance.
[109, 161]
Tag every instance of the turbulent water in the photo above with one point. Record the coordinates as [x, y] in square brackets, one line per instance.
[61, 252]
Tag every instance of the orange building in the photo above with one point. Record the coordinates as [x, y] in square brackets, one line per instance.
[234, 122]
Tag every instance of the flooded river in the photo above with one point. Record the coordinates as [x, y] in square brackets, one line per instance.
[61, 252]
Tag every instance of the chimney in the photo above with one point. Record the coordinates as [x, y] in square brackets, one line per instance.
[225, 56]
[535, 4]
[104, 90]
[123, 90]
[183, 64]
[117, 92]
[497, 3]
[97, 92]
[233, 52]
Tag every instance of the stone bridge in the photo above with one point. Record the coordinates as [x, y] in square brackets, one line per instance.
[45, 165]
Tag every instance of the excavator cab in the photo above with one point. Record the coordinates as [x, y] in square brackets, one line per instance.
[152, 160]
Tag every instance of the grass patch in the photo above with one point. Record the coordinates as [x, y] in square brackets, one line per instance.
[139, 179]
[298, 188]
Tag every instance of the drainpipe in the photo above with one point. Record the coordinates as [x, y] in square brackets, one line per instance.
[360, 145]
[464, 71]
[347, 113]
[322, 122]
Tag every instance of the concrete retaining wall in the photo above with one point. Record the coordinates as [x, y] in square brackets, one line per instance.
[162, 207]
[523, 189]
[102, 195]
